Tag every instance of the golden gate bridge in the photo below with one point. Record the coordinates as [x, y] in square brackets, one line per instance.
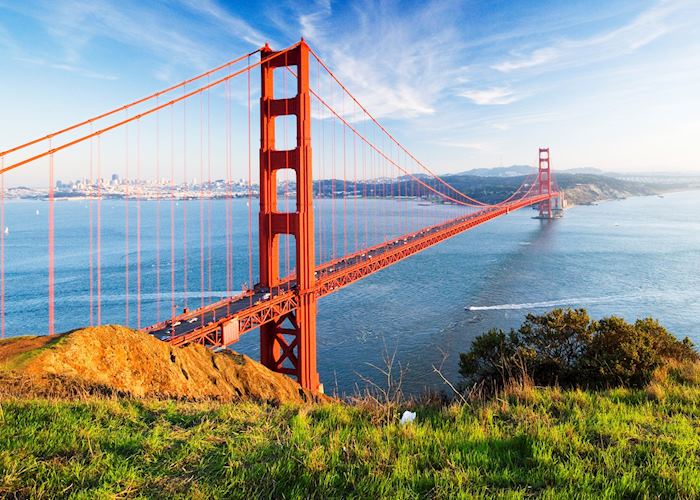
[311, 237]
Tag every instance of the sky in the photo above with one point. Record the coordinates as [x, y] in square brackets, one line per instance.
[610, 84]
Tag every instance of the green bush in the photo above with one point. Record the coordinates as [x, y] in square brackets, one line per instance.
[491, 354]
[552, 344]
[566, 347]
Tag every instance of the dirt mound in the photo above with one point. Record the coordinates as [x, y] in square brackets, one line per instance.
[119, 361]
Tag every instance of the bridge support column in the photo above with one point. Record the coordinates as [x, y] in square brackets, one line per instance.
[288, 344]
[544, 183]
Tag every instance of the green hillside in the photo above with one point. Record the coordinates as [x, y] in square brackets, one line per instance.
[618, 443]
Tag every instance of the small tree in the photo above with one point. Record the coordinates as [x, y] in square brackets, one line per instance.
[619, 354]
[490, 357]
[554, 342]
[625, 354]
[566, 347]
[665, 343]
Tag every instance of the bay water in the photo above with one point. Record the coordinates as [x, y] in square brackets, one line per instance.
[633, 258]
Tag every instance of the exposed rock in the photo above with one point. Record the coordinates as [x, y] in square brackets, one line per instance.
[585, 194]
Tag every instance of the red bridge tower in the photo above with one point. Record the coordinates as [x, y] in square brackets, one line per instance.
[544, 183]
[288, 345]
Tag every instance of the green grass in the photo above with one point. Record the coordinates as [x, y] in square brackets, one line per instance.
[542, 442]
[18, 361]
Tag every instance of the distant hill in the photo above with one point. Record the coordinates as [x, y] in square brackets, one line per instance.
[511, 171]
[518, 170]
[585, 170]
[579, 188]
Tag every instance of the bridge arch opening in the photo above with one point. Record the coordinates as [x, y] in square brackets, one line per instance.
[285, 132]
[285, 81]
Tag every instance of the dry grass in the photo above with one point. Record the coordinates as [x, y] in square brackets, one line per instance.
[520, 388]
[688, 373]
[655, 391]
[113, 360]
[661, 374]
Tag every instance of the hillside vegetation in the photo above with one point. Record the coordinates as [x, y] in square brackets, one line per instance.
[566, 347]
[519, 441]
[579, 188]
[618, 443]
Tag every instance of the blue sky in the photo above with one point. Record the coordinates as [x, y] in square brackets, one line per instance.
[611, 84]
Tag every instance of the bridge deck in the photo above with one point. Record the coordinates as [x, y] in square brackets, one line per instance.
[253, 308]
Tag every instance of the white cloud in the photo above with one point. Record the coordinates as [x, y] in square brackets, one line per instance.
[225, 20]
[397, 60]
[311, 22]
[492, 96]
[188, 41]
[475, 146]
[85, 72]
[17, 52]
[648, 26]
[536, 58]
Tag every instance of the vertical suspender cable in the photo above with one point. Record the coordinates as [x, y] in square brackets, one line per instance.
[184, 200]
[126, 227]
[2, 251]
[172, 214]
[201, 201]
[321, 192]
[345, 190]
[138, 224]
[250, 187]
[158, 215]
[229, 234]
[385, 177]
[354, 169]
[209, 203]
[51, 244]
[99, 230]
[91, 231]
[398, 197]
[227, 181]
[332, 180]
[227, 164]
[365, 180]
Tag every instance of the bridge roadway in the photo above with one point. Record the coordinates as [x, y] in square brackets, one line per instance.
[255, 307]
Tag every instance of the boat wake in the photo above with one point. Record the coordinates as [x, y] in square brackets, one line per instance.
[543, 305]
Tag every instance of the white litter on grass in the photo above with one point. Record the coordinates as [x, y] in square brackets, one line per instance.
[408, 417]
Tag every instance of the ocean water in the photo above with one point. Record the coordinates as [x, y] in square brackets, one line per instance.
[633, 258]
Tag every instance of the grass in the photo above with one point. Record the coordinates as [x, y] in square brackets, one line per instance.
[18, 361]
[549, 443]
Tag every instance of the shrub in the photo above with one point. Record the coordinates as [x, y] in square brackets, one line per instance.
[687, 372]
[552, 344]
[655, 391]
[666, 344]
[566, 347]
[490, 357]
[619, 354]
